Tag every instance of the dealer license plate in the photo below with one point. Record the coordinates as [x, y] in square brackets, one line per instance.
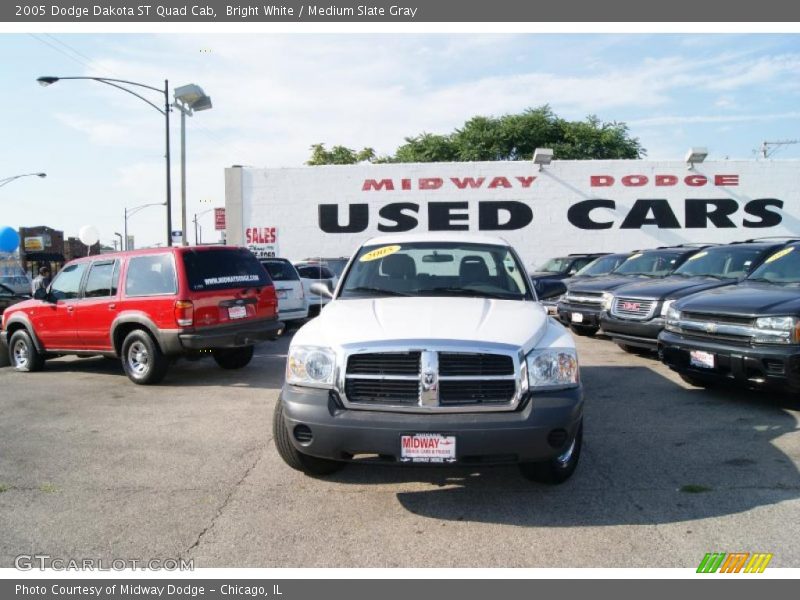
[703, 360]
[282, 294]
[428, 448]
[577, 317]
[237, 312]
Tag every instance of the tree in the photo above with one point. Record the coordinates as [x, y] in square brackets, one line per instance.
[339, 155]
[508, 137]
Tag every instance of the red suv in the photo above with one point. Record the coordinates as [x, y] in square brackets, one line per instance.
[147, 307]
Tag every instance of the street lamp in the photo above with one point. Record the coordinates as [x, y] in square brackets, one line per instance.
[129, 212]
[121, 244]
[188, 99]
[7, 180]
[199, 239]
[120, 85]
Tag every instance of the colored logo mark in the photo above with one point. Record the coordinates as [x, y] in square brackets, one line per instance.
[734, 562]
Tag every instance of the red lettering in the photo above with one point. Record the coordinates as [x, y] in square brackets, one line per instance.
[430, 183]
[726, 180]
[466, 182]
[634, 180]
[405, 184]
[696, 180]
[601, 181]
[500, 182]
[665, 180]
[526, 181]
[383, 184]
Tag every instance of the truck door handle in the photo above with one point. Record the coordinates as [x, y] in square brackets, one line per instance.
[112, 306]
[70, 308]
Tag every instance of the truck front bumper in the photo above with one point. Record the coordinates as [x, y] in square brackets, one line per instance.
[525, 435]
[642, 334]
[768, 366]
[589, 316]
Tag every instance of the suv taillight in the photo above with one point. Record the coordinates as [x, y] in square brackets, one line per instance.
[184, 313]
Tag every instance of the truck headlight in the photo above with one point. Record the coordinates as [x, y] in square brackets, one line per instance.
[666, 306]
[673, 315]
[777, 330]
[608, 298]
[311, 366]
[553, 369]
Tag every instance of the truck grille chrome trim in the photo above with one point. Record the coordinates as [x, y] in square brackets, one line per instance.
[638, 309]
[481, 379]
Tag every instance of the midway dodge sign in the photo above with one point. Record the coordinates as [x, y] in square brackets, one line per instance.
[568, 206]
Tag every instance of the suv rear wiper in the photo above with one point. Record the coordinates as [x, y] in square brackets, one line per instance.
[374, 290]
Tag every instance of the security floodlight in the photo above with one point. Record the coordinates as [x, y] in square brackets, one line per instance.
[45, 81]
[542, 156]
[695, 155]
[203, 103]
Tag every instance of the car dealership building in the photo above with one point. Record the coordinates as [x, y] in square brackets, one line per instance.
[547, 210]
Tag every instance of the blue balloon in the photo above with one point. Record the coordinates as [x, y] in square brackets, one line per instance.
[9, 239]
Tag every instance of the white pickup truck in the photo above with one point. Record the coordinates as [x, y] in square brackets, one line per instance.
[433, 350]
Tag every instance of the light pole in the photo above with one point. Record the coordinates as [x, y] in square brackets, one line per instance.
[199, 239]
[121, 246]
[129, 212]
[188, 99]
[7, 180]
[120, 85]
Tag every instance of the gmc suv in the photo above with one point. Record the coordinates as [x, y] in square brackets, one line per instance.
[433, 350]
[146, 307]
[747, 333]
[637, 310]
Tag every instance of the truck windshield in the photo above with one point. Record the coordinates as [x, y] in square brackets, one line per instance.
[782, 267]
[555, 265]
[723, 262]
[600, 266]
[653, 264]
[436, 269]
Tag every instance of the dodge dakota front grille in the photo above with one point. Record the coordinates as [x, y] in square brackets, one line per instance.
[639, 309]
[431, 380]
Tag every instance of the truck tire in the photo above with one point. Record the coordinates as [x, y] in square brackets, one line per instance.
[142, 359]
[310, 465]
[22, 353]
[234, 358]
[584, 330]
[559, 468]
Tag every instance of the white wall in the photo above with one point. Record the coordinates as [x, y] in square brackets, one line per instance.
[290, 199]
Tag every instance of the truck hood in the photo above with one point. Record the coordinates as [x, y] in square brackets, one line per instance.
[670, 287]
[748, 299]
[602, 284]
[351, 321]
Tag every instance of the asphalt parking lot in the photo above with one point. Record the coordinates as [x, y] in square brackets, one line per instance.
[92, 466]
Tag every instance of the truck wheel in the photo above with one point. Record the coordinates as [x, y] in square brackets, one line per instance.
[559, 468]
[310, 465]
[584, 330]
[234, 358]
[22, 353]
[695, 381]
[142, 359]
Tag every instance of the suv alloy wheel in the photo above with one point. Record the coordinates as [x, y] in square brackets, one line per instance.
[142, 359]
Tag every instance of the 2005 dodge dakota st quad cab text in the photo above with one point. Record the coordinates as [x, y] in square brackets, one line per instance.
[434, 350]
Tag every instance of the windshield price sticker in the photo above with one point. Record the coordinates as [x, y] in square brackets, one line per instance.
[635, 256]
[379, 253]
[780, 254]
[696, 256]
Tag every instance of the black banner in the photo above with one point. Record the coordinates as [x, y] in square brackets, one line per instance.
[462, 11]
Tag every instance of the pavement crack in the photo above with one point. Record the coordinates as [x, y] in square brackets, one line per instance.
[260, 455]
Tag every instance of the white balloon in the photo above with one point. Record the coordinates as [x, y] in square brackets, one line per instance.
[89, 235]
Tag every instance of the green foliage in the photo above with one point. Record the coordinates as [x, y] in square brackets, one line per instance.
[508, 137]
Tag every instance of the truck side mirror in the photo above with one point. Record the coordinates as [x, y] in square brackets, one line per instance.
[320, 289]
[41, 294]
[550, 288]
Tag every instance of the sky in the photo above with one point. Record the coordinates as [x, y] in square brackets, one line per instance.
[275, 95]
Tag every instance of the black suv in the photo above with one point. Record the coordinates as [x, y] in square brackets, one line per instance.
[599, 267]
[562, 267]
[636, 313]
[586, 299]
[747, 333]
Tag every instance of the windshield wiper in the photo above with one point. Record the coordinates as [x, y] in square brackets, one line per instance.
[460, 291]
[761, 279]
[374, 290]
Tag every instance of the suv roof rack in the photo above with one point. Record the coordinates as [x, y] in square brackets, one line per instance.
[589, 254]
[787, 238]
